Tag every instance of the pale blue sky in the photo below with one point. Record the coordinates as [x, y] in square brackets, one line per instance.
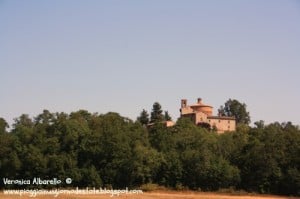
[123, 56]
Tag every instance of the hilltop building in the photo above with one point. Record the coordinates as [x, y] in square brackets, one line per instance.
[202, 114]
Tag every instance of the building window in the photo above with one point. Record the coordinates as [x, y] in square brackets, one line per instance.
[228, 121]
[228, 127]
[219, 121]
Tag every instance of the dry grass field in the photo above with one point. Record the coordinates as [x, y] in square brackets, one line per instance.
[152, 195]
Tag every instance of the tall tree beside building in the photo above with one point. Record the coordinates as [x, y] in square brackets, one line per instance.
[157, 113]
[234, 108]
[167, 116]
[144, 117]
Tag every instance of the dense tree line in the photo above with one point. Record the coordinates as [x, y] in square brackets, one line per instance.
[114, 151]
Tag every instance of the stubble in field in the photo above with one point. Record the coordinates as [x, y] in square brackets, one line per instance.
[151, 195]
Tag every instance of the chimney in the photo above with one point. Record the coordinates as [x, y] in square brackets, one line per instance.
[199, 100]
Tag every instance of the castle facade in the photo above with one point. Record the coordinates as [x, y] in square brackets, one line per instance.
[202, 115]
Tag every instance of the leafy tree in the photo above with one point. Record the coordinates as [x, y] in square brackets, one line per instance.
[156, 114]
[3, 125]
[160, 137]
[259, 124]
[34, 162]
[23, 120]
[167, 117]
[170, 173]
[144, 117]
[290, 182]
[91, 177]
[144, 164]
[9, 161]
[45, 118]
[205, 125]
[234, 108]
[114, 151]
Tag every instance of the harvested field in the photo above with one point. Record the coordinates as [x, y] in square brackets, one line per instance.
[152, 195]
